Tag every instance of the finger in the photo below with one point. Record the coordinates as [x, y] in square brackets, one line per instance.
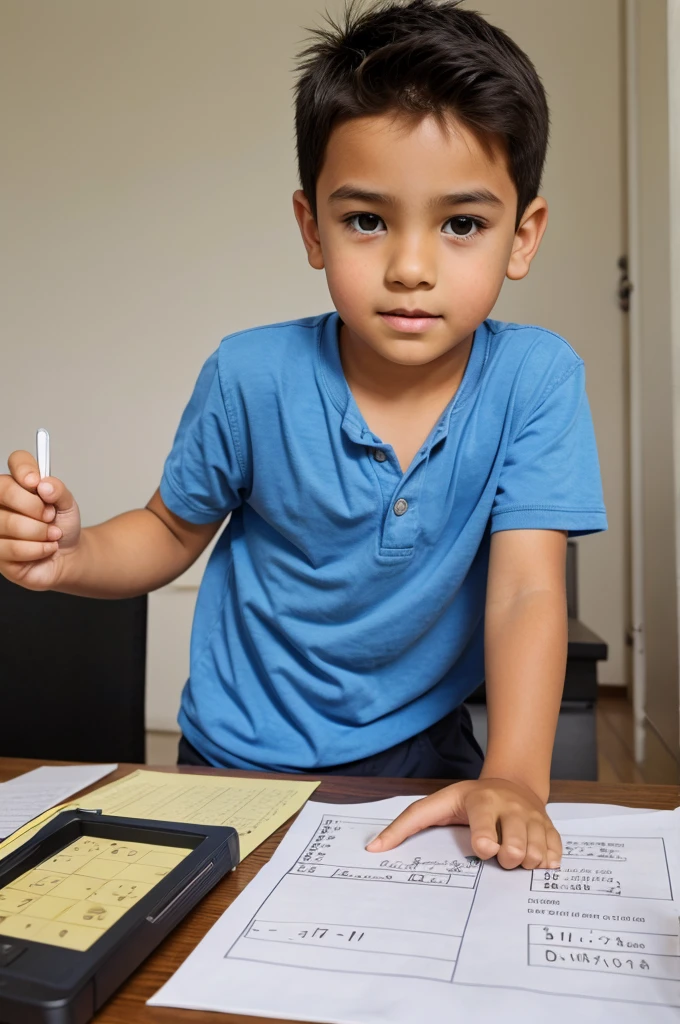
[554, 847]
[54, 492]
[14, 526]
[26, 550]
[24, 469]
[536, 845]
[437, 809]
[513, 841]
[16, 498]
[483, 830]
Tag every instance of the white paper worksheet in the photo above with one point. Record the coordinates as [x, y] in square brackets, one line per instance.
[329, 932]
[28, 795]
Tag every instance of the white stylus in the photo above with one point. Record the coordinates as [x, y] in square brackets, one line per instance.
[42, 446]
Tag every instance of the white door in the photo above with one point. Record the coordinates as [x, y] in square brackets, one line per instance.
[652, 410]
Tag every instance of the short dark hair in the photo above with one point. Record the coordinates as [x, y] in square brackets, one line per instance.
[417, 58]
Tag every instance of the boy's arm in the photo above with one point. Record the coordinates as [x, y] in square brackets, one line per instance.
[134, 553]
[42, 545]
[525, 653]
[525, 647]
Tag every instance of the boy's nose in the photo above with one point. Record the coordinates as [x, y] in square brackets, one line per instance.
[412, 263]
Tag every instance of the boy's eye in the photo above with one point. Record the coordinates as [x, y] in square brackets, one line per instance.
[365, 223]
[371, 224]
[463, 227]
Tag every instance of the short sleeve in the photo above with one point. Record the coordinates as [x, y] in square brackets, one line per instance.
[203, 474]
[550, 479]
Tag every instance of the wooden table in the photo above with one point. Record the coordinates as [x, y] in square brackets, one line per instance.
[128, 1005]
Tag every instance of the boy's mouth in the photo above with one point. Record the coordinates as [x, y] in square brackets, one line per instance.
[410, 320]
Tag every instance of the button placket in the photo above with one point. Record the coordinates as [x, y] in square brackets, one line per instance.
[399, 493]
[400, 524]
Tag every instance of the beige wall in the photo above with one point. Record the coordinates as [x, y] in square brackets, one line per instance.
[146, 212]
[147, 172]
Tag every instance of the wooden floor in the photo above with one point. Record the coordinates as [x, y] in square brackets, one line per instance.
[616, 762]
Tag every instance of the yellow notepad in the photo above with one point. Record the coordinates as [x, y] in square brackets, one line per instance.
[254, 807]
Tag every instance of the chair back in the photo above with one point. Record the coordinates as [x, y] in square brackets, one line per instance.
[72, 676]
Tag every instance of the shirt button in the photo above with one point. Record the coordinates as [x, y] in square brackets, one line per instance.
[379, 455]
[400, 506]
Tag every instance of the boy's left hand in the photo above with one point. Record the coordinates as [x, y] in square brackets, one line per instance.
[507, 820]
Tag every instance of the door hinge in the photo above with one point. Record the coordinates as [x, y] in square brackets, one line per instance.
[625, 285]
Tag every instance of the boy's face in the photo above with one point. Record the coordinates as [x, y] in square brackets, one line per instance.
[415, 219]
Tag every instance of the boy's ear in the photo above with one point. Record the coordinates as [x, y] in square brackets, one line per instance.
[308, 229]
[527, 238]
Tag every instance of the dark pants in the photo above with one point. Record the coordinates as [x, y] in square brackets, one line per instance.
[447, 750]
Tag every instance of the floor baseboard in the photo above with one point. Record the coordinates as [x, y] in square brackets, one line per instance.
[616, 690]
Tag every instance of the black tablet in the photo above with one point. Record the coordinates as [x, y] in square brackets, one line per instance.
[86, 899]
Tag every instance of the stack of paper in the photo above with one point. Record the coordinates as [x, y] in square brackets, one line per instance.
[254, 807]
[329, 932]
[28, 795]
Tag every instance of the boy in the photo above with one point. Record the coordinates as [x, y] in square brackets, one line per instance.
[402, 473]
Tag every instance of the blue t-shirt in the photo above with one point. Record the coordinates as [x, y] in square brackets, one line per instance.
[342, 608]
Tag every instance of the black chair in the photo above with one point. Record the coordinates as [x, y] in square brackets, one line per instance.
[72, 676]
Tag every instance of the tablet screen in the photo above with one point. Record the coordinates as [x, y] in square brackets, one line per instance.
[74, 897]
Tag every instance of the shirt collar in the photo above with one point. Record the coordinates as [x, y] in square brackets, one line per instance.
[337, 388]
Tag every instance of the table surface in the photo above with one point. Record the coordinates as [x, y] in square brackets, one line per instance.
[127, 1006]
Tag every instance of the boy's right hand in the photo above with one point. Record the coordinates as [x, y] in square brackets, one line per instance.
[39, 525]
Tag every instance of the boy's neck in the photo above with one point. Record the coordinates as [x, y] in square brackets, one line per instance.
[367, 372]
